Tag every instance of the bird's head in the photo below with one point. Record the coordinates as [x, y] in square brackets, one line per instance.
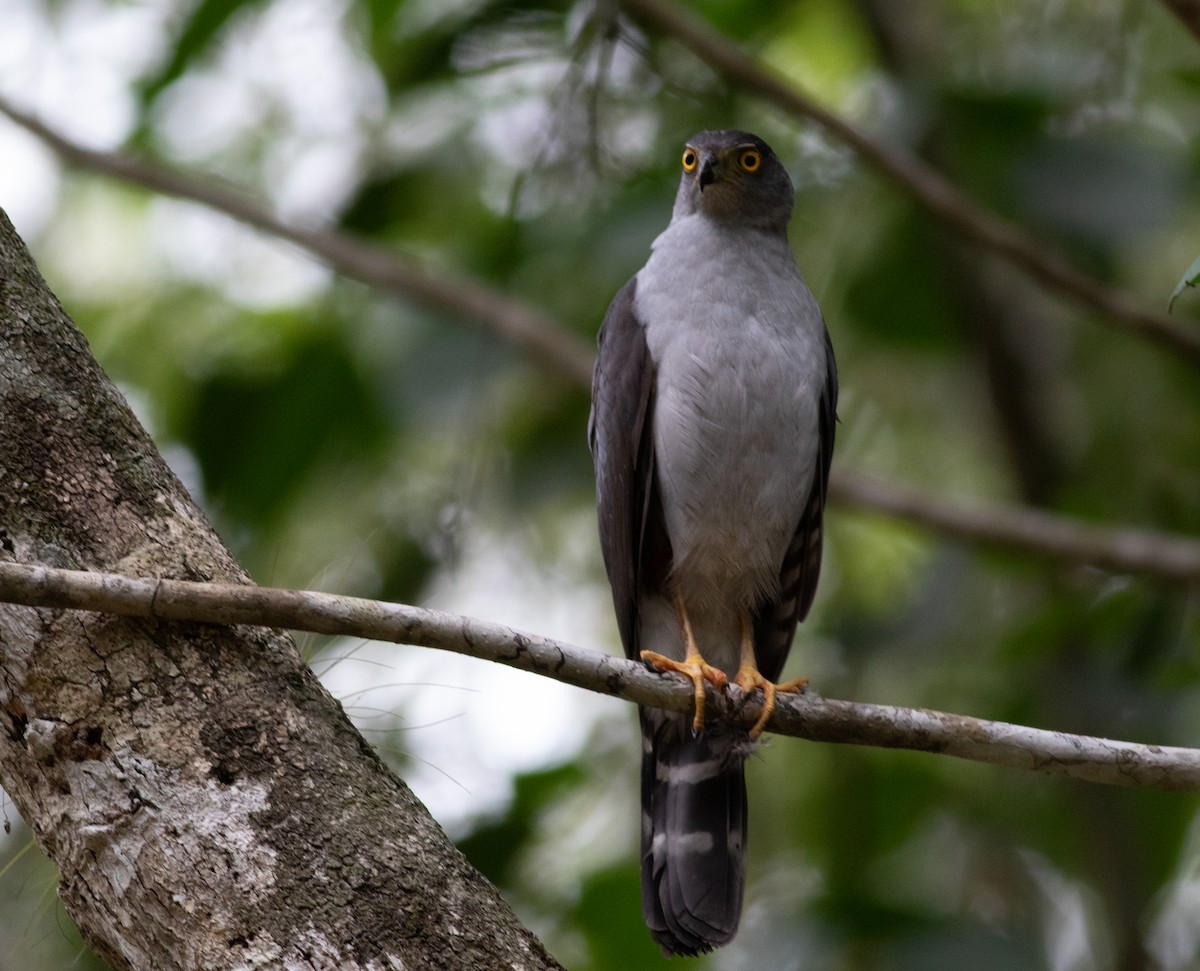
[734, 177]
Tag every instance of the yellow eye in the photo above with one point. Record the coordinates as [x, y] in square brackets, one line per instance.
[750, 160]
[689, 160]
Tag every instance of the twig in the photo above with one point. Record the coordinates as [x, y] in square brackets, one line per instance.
[1123, 550]
[1120, 550]
[802, 716]
[931, 189]
[445, 292]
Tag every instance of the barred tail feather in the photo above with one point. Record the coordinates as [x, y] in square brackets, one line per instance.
[693, 834]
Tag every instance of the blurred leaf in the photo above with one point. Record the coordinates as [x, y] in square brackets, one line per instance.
[258, 435]
[405, 567]
[546, 440]
[610, 916]
[987, 133]
[200, 30]
[899, 293]
[494, 847]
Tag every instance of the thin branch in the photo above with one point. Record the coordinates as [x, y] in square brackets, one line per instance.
[1188, 12]
[1119, 550]
[1123, 550]
[445, 292]
[941, 197]
[802, 716]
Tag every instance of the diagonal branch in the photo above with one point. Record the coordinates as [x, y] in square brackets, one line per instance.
[1024, 528]
[391, 272]
[802, 716]
[1040, 534]
[941, 197]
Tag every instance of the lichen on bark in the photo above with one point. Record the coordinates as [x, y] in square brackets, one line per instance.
[207, 802]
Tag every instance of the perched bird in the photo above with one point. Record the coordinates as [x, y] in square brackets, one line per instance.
[713, 410]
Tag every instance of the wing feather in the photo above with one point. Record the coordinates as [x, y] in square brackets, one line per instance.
[775, 623]
[620, 433]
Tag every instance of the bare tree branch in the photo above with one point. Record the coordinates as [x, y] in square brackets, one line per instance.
[802, 716]
[1120, 550]
[1040, 534]
[444, 292]
[941, 197]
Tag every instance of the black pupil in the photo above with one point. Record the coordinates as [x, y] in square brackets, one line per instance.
[689, 160]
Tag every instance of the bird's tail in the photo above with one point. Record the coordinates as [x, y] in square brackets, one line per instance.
[693, 833]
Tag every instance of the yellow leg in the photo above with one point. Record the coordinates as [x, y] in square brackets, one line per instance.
[693, 666]
[749, 677]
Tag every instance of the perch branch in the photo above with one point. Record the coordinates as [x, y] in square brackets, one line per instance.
[932, 190]
[802, 716]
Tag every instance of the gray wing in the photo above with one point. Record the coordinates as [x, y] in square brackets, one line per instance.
[620, 434]
[775, 623]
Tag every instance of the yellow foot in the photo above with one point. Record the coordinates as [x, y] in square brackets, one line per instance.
[748, 679]
[696, 668]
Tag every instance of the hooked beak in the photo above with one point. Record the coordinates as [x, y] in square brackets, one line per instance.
[708, 173]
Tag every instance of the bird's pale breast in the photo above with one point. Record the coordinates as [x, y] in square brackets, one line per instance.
[736, 338]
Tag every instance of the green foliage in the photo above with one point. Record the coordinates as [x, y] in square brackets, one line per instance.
[200, 33]
[348, 439]
[494, 848]
[258, 436]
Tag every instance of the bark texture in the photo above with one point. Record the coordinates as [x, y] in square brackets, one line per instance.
[207, 802]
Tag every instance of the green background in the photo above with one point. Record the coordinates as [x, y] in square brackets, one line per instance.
[344, 439]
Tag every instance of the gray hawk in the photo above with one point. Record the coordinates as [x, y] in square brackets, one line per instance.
[713, 410]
